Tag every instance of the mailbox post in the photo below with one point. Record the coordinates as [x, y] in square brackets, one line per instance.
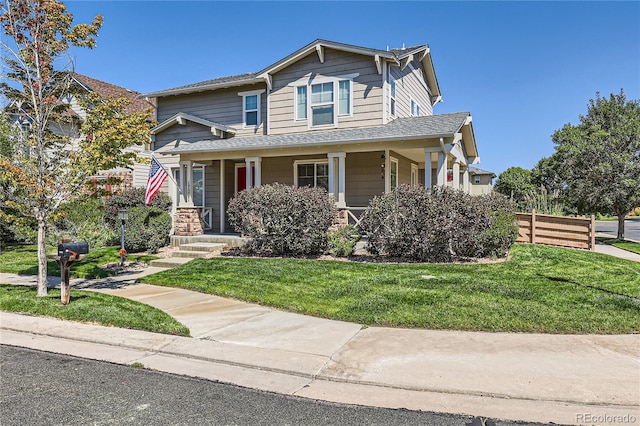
[68, 253]
[123, 215]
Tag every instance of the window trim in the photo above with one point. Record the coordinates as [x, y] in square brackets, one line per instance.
[393, 104]
[315, 162]
[415, 175]
[414, 108]
[476, 180]
[308, 83]
[333, 103]
[392, 161]
[244, 96]
[306, 103]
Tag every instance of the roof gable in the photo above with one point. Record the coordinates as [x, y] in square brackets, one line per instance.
[107, 90]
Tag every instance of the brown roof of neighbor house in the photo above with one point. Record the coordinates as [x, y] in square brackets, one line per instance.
[108, 90]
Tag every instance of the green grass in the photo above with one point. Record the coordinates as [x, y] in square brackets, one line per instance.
[91, 307]
[624, 245]
[23, 259]
[540, 289]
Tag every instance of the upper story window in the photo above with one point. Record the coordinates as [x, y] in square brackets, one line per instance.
[323, 102]
[251, 108]
[392, 96]
[415, 108]
[301, 103]
[322, 107]
[476, 179]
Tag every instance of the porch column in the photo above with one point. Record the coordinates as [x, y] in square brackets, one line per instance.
[253, 163]
[336, 186]
[465, 181]
[222, 196]
[442, 169]
[427, 169]
[186, 186]
[456, 175]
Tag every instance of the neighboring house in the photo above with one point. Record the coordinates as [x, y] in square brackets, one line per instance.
[481, 181]
[136, 176]
[354, 120]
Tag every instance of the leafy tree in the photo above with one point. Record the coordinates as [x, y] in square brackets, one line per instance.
[515, 183]
[58, 155]
[598, 160]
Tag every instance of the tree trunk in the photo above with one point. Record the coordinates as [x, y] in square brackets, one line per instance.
[621, 226]
[42, 258]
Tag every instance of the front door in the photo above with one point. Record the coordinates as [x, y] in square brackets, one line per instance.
[241, 177]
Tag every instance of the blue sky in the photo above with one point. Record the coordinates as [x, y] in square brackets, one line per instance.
[523, 69]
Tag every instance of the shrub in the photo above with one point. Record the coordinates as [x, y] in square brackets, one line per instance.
[82, 220]
[438, 226]
[132, 197]
[147, 229]
[343, 241]
[283, 219]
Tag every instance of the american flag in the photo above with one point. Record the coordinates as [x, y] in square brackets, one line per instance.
[157, 175]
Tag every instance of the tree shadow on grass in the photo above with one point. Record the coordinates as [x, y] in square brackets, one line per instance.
[591, 287]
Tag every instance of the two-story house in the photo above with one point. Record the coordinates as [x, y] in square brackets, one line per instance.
[354, 120]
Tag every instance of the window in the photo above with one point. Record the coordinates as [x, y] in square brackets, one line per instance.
[414, 175]
[322, 104]
[392, 97]
[197, 181]
[251, 109]
[301, 103]
[344, 107]
[314, 174]
[394, 173]
[476, 179]
[415, 108]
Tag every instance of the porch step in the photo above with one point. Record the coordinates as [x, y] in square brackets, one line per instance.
[204, 247]
[228, 240]
[170, 262]
[191, 254]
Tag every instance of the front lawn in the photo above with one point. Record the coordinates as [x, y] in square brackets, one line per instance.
[92, 307]
[23, 259]
[540, 289]
[624, 245]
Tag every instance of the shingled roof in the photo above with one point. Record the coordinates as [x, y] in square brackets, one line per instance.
[108, 90]
[409, 128]
[394, 55]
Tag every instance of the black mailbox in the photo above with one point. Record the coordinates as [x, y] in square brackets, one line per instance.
[66, 249]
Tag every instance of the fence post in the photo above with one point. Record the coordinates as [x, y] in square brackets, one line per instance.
[593, 234]
[533, 226]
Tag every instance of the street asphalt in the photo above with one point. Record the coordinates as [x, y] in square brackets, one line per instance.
[544, 378]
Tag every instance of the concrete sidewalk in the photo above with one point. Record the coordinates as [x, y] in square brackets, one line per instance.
[542, 378]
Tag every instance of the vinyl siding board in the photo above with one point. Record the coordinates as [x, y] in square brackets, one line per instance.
[363, 178]
[408, 85]
[222, 106]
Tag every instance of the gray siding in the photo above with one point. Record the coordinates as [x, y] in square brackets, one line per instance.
[367, 90]
[222, 106]
[409, 84]
[363, 178]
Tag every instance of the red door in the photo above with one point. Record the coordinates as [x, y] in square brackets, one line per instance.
[241, 177]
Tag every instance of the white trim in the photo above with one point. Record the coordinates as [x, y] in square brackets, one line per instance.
[310, 161]
[256, 110]
[415, 179]
[393, 97]
[392, 161]
[222, 196]
[422, 78]
[333, 104]
[414, 107]
[295, 103]
[385, 85]
[251, 92]
[350, 113]
[181, 118]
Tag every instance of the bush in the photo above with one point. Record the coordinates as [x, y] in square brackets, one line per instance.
[438, 226]
[283, 219]
[82, 220]
[343, 241]
[147, 229]
[132, 197]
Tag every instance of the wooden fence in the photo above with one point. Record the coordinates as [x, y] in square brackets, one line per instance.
[557, 230]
